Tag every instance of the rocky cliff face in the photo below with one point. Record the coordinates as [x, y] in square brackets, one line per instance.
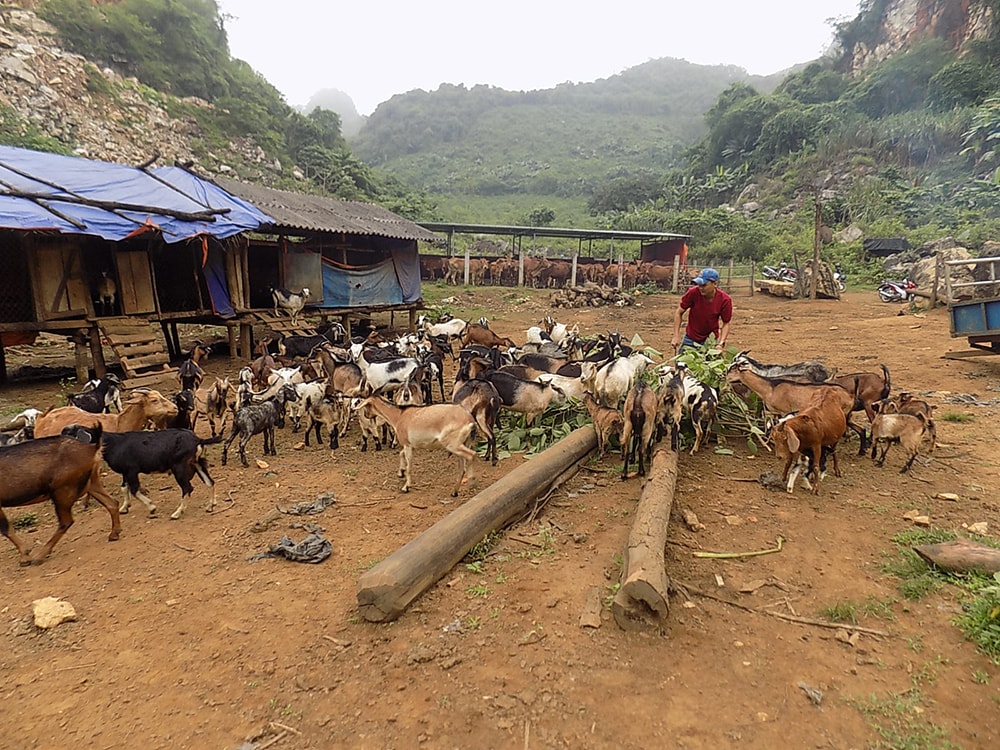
[907, 22]
[100, 115]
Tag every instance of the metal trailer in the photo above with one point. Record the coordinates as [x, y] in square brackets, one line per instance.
[974, 306]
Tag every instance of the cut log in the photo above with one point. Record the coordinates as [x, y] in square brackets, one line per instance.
[641, 601]
[961, 555]
[386, 590]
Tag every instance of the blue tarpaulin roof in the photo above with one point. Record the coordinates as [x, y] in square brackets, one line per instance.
[67, 194]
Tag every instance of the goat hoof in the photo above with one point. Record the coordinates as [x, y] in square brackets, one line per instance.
[113, 536]
[24, 562]
[174, 516]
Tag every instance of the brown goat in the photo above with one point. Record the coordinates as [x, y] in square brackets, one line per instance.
[447, 426]
[908, 430]
[641, 405]
[904, 403]
[480, 335]
[808, 437]
[872, 388]
[607, 422]
[61, 468]
[786, 396]
[142, 406]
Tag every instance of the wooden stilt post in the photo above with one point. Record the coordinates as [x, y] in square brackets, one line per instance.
[677, 274]
[386, 590]
[80, 340]
[97, 352]
[641, 600]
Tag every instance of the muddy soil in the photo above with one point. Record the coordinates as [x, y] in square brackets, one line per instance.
[182, 641]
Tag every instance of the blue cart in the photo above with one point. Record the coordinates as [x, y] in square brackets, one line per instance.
[974, 306]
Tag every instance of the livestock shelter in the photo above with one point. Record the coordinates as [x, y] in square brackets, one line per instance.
[355, 258]
[653, 246]
[101, 250]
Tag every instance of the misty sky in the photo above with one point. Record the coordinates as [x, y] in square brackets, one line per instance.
[372, 50]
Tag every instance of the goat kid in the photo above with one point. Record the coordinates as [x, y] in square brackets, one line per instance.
[98, 396]
[607, 422]
[908, 430]
[259, 418]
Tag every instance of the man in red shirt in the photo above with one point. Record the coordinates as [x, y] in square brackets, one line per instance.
[709, 307]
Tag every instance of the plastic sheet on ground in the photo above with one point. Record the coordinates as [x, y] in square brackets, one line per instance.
[321, 503]
[313, 549]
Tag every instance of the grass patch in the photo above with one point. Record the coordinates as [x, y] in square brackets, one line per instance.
[900, 723]
[26, 521]
[956, 416]
[980, 618]
[850, 612]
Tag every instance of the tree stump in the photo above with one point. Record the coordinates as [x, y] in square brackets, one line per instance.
[386, 590]
[641, 601]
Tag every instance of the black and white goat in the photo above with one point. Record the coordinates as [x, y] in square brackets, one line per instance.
[701, 401]
[290, 302]
[98, 396]
[180, 452]
[257, 418]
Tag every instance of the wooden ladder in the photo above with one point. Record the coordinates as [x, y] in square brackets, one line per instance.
[281, 325]
[141, 351]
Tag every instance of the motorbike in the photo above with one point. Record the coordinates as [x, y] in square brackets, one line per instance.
[840, 278]
[782, 273]
[896, 291]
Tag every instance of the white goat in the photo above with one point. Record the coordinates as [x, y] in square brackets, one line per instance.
[614, 380]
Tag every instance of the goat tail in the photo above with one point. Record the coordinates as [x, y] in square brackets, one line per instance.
[887, 386]
[212, 440]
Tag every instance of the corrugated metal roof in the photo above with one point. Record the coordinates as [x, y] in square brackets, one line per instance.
[520, 231]
[315, 213]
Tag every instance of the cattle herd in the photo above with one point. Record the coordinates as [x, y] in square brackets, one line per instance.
[544, 272]
[387, 387]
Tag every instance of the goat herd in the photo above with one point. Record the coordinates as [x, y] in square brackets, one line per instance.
[327, 380]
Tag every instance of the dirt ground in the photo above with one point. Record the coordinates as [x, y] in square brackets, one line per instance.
[182, 641]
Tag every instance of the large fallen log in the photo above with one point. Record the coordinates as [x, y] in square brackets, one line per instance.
[641, 601]
[386, 590]
[960, 556]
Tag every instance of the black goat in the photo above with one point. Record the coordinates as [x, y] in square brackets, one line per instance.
[180, 452]
[190, 373]
[185, 411]
[256, 418]
[98, 396]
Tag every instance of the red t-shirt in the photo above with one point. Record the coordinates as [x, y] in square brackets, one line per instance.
[705, 314]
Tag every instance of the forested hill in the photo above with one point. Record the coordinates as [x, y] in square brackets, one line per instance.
[562, 141]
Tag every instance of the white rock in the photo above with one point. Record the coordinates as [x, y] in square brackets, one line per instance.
[51, 611]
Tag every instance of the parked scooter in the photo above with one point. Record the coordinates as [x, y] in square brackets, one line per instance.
[896, 291]
[781, 273]
[840, 277]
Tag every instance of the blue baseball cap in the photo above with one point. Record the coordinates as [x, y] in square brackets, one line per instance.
[708, 274]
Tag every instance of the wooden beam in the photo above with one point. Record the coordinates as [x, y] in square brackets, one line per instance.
[961, 555]
[642, 600]
[385, 591]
